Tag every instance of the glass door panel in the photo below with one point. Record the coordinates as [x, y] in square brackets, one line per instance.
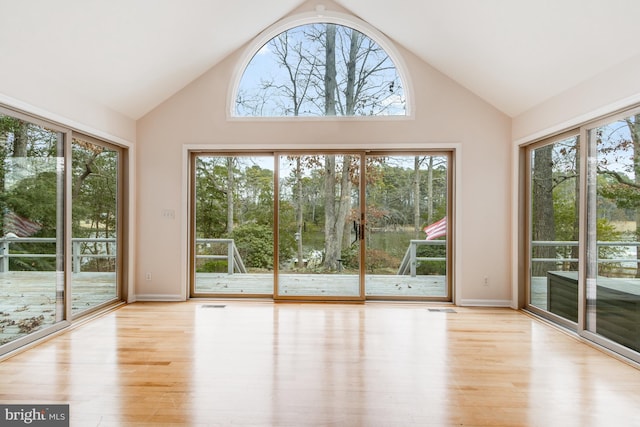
[554, 227]
[232, 228]
[406, 233]
[319, 226]
[32, 217]
[613, 276]
[95, 213]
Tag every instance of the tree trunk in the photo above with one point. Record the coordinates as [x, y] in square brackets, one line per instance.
[575, 234]
[331, 242]
[21, 139]
[345, 203]
[416, 197]
[330, 83]
[230, 185]
[430, 217]
[299, 211]
[350, 92]
[542, 210]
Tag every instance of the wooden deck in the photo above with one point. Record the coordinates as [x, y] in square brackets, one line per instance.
[321, 284]
[28, 298]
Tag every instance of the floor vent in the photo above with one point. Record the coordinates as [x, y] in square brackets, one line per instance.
[212, 306]
[443, 310]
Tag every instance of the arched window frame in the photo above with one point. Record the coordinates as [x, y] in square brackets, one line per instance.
[320, 15]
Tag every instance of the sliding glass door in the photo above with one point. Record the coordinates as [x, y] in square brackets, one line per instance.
[32, 242]
[331, 226]
[553, 226]
[319, 226]
[96, 243]
[613, 216]
[408, 235]
[232, 250]
[583, 231]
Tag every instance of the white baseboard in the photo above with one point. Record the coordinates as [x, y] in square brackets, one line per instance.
[485, 303]
[159, 297]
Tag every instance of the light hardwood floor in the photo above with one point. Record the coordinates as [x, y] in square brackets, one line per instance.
[268, 364]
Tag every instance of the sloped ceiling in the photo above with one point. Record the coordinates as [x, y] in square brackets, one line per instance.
[130, 55]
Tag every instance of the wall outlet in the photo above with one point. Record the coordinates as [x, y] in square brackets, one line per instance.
[485, 281]
[168, 214]
[148, 276]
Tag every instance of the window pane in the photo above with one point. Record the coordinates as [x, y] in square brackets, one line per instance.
[406, 233]
[319, 223]
[554, 228]
[292, 75]
[31, 250]
[95, 225]
[233, 253]
[613, 281]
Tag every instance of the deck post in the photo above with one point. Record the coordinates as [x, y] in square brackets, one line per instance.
[75, 256]
[413, 261]
[4, 253]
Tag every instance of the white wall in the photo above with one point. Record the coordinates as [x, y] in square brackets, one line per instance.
[614, 89]
[68, 109]
[445, 115]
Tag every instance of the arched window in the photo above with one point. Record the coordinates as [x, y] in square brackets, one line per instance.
[320, 69]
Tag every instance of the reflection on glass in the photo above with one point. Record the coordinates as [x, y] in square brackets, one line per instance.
[613, 279]
[233, 249]
[406, 233]
[554, 208]
[319, 226]
[31, 263]
[95, 225]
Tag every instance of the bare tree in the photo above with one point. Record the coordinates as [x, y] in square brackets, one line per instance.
[330, 70]
[544, 228]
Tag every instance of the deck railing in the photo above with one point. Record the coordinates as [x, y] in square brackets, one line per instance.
[411, 259]
[232, 256]
[78, 250]
[564, 253]
[80, 253]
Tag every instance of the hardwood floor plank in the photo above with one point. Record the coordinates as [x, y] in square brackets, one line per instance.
[269, 364]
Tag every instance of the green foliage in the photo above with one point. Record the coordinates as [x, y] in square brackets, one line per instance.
[606, 232]
[624, 195]
[255, 245]
[95, 180]
[438, 268]
[36, 198]
[350, 257]
[564, 209]
[212, 267]
[381, 262]
[431, 267]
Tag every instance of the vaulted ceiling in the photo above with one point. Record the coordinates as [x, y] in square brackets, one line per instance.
[130, 55]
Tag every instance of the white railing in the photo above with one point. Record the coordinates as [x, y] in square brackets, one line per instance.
[411, 258]
[568, 245]
[80, 253]
[232, 256]
[78, 250]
